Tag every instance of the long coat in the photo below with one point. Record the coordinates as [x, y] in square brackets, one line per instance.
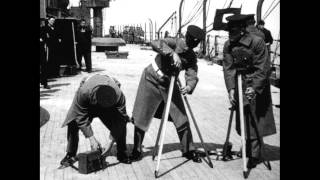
[258, 112]
[84, 106]
[53, 44]
[153, 90]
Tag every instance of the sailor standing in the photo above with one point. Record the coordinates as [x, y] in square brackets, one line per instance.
[248, 51]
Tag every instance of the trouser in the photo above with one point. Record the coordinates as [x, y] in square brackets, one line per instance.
[44, 68]
[53, 61]
[117, 129]
[185, 138]
[87, 59]
[255, 148]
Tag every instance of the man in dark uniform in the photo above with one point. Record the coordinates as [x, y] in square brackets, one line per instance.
[83, 38]
[252, 53]
[268, 37]
[112, 32]
[98, 96]
[43, 56]
[53, 41]
[153, 89]
[131, 35]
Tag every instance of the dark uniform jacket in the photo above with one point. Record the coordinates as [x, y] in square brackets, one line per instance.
[42, 43]
[84, 39]
[153, 90]
[84, 106]
[268, 36]
[52, 37]
[259, 111]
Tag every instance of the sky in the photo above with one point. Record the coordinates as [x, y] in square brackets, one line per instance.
[138, 12]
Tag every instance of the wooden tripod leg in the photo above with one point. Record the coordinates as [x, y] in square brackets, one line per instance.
[155, 149]
[166, 116]
[243, 139]
[226, 143]
[198, 131]
[196, 125]
[74, 46]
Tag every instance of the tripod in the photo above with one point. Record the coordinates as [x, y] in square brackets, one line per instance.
[243, 140]
[226, 147]
[164, 122]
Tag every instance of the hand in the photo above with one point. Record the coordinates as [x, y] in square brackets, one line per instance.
[95, 145]
[108, 147]
[250, 93]
[231, 97]
[111, 137]
[59, 40]
[185, 90]
[41, 40]
[176, 60]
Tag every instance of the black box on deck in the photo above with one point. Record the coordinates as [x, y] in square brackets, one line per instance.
[91, 161]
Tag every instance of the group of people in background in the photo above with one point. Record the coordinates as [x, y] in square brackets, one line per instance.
[50, 44]
[133, 35]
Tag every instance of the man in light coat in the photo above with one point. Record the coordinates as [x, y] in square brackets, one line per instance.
[173, 54]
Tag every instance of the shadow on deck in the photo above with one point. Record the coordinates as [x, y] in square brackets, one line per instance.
[46, 93]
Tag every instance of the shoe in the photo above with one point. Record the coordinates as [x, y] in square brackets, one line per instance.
[192, 155]
[68, 160]
[253, 162]
[46, 87]
[136, 156]
[123, 158]
[88, 70]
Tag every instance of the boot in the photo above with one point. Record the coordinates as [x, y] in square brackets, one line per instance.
[68, 160]
[136, 154]
[123, 158]
[192, 155]
[186, 140]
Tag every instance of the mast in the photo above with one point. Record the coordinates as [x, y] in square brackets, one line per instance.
[204, 27]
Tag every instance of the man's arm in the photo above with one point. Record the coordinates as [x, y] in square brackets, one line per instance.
[164, 46]
[262, 66]
[229, 73]
[270, 37]
[191, 73]
[89, 29]
[80, 112]
[84, 125]
[228, 70]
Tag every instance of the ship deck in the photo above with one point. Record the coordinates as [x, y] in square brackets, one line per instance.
[209, 104]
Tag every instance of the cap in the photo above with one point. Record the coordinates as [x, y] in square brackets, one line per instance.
[196, 32]
[239, 19]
